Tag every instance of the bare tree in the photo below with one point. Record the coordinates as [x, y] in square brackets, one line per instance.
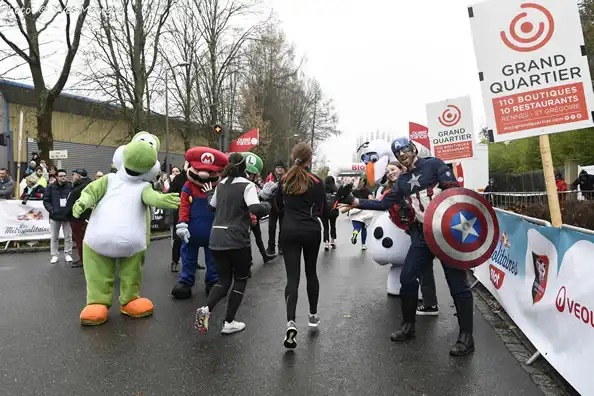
[223, 43]
[31, 25]
[125, 54]
[183, 45]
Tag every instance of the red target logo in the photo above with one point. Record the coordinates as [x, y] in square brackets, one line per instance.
[530, 33]
[450, 116]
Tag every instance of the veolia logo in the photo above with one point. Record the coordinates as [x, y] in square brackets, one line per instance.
[561, 297]
[450, 116]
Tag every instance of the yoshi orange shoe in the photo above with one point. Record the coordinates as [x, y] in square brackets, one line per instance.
[138, 308]
[93, 315]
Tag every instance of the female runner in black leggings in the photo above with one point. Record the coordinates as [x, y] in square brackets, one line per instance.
[233, 199]
[302, 198]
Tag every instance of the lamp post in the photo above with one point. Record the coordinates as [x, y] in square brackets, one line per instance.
[289, 138]
[181, 64]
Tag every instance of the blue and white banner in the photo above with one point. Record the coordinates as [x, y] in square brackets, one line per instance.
[544, 279]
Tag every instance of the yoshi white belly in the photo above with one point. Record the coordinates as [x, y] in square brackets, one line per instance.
[118, 225]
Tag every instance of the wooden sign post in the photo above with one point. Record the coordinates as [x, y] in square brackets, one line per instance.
[549, 174]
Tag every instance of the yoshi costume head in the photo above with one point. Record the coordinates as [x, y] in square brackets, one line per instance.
[119, 229]
[205, 165]
[253, 165]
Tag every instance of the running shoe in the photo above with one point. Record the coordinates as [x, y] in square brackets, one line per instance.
[291, 335]
[201, 323]
[314, 320]
[233, 327]
[333, 244]
[326, 246]
[363, 247]
[427, 311]
[354, 237]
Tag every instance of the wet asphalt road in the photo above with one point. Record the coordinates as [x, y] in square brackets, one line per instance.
[45, 351]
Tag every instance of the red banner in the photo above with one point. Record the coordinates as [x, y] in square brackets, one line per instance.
[419, 134]
[245, 142]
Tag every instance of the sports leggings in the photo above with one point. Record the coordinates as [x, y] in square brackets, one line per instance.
[308, 243]
[233, 267]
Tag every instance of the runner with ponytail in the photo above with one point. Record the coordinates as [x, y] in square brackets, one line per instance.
[302, 198]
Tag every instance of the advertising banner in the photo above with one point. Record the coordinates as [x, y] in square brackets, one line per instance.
[451, 129]
[420, 134]
[29, 222]
[534, 74]
[245, 142]
[544, 277]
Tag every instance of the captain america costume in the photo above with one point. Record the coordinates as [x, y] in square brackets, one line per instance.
[414, 191]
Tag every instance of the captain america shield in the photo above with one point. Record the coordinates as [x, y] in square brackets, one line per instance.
[461, 228]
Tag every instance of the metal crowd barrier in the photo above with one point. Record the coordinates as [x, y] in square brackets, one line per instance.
[510, 199]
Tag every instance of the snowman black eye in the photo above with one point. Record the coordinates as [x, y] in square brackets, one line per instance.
[373, 158]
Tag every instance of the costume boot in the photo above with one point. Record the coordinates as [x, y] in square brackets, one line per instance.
[409, 310]
[465, 343]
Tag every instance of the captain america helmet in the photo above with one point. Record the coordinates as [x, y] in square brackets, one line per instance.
[403, 144]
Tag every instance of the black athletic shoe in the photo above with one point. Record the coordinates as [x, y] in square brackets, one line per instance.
[291, 335]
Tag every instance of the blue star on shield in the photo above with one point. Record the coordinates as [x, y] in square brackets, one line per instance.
[465, 227]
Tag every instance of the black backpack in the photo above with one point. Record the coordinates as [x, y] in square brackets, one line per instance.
[330, 200]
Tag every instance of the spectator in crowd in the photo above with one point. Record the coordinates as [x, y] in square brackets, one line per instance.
[33, 189]
[79, 226]
[176, 185]
[41, 180]
[51, 179]
[586, 183]
[561, 185]
[55, 201]
[98, 175]
[44, 169]
[30, 169]
[275, 216]
[6, 184]
[35, 157]
[167, 182]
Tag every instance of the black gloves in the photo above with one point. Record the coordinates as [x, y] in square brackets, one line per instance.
[343, 195]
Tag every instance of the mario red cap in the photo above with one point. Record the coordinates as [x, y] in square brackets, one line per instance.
[206, 158]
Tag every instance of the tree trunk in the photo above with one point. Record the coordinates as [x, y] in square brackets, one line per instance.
[45, 138]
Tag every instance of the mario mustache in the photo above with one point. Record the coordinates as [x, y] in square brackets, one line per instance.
[202, 176]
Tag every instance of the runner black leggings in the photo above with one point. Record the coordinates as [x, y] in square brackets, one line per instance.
[307, 242]
[233, 266]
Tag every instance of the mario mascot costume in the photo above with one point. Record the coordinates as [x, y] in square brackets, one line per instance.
[196, 219]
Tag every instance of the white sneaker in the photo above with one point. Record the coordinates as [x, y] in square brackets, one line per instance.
[363, 247]
[54, 260]
[68, 258]
[290, 335]
[233, 327]
[314, 320]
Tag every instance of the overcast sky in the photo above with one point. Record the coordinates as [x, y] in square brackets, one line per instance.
[380, 62]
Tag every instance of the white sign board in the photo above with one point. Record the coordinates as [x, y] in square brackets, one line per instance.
[29, 222]
[534, 77]
[451, 129]
[58, 154]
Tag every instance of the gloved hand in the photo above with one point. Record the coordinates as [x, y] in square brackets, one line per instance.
[344, 194]
[254, 219]
[182, 231]
[209, 190]
[268, 190]
[267, 205]
[78, 208]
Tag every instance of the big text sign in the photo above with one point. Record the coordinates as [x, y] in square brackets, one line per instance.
[534, 77]
[451, 129]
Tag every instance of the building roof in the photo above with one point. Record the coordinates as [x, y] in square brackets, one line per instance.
[24, 94]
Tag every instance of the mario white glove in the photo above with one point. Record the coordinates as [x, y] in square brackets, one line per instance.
[268, 190]
[181, 230]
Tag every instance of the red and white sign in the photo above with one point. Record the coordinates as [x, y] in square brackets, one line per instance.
[534, 78]
[451, 129]
[245, 142]
[420, 134]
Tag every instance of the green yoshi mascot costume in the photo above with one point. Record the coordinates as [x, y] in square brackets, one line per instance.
[119, 229]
